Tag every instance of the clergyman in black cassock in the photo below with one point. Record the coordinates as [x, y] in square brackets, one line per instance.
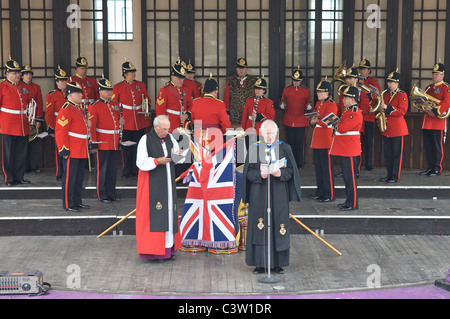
[284, 188]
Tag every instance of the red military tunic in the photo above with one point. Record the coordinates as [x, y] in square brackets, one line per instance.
[54, 101]
[371, 81]
[71, 132]
[347, 141]
[395, 112]
[211, 112]
[441, 91]
[365, 104]
[89, 86]
[36, 94]
[105, 125]
[323, 135]
[130, 96]
[169, 103]
[14, 99]
[190, 90]
[295, 102]
[264, 110]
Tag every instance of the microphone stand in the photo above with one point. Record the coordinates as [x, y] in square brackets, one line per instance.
[268, 279]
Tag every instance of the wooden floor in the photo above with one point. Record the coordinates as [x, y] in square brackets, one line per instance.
[110, 265]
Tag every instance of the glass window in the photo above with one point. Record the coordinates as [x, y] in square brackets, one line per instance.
[370, 39]
[120, 20]
[300, 26]
[428, 39]
[210, 41]
[162, 43]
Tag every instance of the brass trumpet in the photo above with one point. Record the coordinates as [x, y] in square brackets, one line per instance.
[425, 102]
[145, 107]
[31, 113]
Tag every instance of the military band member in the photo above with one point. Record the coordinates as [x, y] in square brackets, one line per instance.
[36, 95]
[105, 129]
[71, 134]
[171, 99]
[321, 143]
[14, 125]
[395, 106]
[208, 112]
[195, 87]
[351, 79]
[258, 108]
[435, 128]
[238, 88]
[87, 83]
[54, 101]
[347, 145]
[130, 94]
[296, 102]
[369, 118]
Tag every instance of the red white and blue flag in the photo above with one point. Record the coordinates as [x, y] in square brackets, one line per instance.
[208, 214]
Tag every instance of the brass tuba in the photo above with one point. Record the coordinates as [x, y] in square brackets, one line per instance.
[340, 73]
[425, 102]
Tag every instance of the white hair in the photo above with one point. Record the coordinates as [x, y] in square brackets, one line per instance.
[159, 118]
[268, 123]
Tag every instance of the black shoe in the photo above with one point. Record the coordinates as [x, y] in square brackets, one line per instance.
[341, 174]
[9, 184]
[315, 197]
[114, 199]
[258, 270]
[346, 208]
[326, 200]
[125, 176]
[105, 200]
[84, 206]
[384, 179]
[434, 173]
[391, 180]
[58, 178]
[74, 209]
[342, 205]
[279, 270]
[23, 181]
[427, 172]
[369, 168]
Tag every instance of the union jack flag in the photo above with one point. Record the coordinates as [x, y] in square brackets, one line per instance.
[208, 213]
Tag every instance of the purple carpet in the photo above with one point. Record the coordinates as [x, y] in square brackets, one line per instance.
[421, 292]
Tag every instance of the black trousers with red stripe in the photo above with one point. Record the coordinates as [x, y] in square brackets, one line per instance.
[14, 157]
[393, 152]
[296, 138]
[107, 165]
[72, 181]
[349, 169]
[129, 153]
[324, 173]
[368, 140]
[433, 143]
